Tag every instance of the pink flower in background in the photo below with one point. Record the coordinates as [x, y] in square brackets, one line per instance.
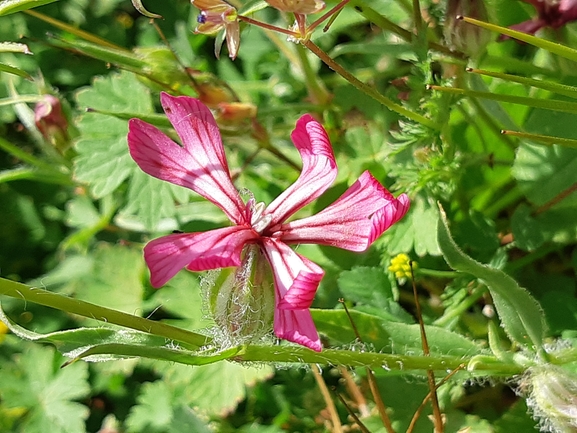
[550, 13]
[216, 15]
[352, 222]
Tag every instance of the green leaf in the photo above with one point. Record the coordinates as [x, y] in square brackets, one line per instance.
[154, 409]
[159, 409]
[543, 172]
[418, 230]
[36, 382]
[520, 314]
[390, 337]
[370, 289]
[12, 6]
[218, 388]
[115, 279]
[103, 160]
[15, 71]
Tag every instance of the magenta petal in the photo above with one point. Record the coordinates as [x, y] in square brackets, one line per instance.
[214, 249]
[199, 165]
[318, 173]
[296, 278]
[388, 215]
[530, 27]
[297, 326]
[348, 222]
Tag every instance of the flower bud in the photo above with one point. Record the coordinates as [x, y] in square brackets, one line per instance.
[464, 37]
[51, 122]
[162, 67]
[235, 113]
[552, 398]
[242, 300]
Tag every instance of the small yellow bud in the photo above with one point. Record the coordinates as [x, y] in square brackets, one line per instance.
[401, 266]
[3, 330]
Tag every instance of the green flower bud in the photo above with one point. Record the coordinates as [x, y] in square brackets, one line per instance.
[552, 398]
[242, 300]
[464, 37]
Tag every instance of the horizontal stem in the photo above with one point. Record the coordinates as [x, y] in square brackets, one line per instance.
[486, 365]
[92, 311]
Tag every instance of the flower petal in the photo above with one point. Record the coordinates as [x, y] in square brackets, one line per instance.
[296, 278]
[298, 6]
[214, 249]
[352, 222]
[199, 165]
[318, 173]
[297, 326]
[232, 39]
[388, 215]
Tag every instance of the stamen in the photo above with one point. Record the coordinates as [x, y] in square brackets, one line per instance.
[257, 220]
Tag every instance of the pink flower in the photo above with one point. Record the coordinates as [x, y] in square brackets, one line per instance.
[550, 13]
[353, 222]
[214, 16]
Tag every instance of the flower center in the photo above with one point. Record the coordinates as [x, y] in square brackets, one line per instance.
[258, 221]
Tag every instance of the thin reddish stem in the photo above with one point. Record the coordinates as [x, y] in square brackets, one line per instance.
[268, 26]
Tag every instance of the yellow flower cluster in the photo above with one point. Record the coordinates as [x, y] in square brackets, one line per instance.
[400, 266]
[3, 331]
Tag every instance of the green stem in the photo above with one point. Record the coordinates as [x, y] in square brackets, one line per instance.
[375, 361]
[437, 273]
[26, 173]
[504, 201]
[86, 309]
[417, 17]
[365, 88]
[461, 308]
[531, 257]
[491, 123]
[18, 153]
[547, 104]
[317, 91]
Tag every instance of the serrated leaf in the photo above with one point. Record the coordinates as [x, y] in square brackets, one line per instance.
[390, 337]
[218, 387]
[154, 409]
[152, 199]
[418, 230]
[521, 315]
[115, 280]
[37, 383]
[104, 162]
[159, 409]
[116, 92]
[545, 171]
